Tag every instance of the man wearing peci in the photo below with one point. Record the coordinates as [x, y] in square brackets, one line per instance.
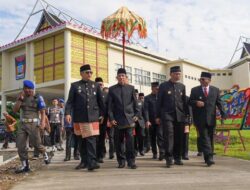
[171, 114]
[123, 112]
[204, 99]
[86, 102]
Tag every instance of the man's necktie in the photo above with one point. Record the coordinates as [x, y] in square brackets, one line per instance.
[205, 91]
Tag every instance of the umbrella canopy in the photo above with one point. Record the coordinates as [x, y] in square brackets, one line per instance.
[123, 23]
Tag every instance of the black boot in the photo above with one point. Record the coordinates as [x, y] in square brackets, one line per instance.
[24, 168]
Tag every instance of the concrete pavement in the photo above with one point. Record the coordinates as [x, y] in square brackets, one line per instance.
[228, 174]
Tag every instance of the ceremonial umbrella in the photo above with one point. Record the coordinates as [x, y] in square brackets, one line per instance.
[123, 23]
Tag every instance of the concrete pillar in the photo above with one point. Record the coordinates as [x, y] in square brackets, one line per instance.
[67, 63]
[29, 52]
[3, 104]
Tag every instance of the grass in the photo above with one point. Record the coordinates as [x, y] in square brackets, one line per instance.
[235, 148]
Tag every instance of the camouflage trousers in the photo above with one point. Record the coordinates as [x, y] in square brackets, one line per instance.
[28, 131]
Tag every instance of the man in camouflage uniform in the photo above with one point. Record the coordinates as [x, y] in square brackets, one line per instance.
[31, 105]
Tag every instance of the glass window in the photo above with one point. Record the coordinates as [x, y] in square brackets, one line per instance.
[142, 77]
[218, 74]
[229, 74]
[224, 74]
[159, 78]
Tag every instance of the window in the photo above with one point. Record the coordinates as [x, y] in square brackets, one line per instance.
[213, 74]
[186, 76]
[224, 74]
[218, 74]
[142, 77]
[229, 74]
[128, 70]
[159, 78]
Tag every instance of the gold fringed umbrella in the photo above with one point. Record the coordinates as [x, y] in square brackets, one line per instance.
[123, 22]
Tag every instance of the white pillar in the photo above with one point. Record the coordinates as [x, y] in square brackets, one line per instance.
[29, 52]
[3, 104]
[67, 63]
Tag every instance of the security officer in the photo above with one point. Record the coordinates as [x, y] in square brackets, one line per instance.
[31, 105]
[171, 114]
[140, 126]
[155, 130]
[101, 149]
[55, 115]
[123, 113]
[86, 103]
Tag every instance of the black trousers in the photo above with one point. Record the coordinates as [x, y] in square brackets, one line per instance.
[110, 132]
[139, 138]
[147, 139]
[71, 139]
[55, 133]
[100, 149]
[82, 150]
[206, 140]
[124, 142]
[156, 134]
[185, 145]
[89, 149]
[173, 138]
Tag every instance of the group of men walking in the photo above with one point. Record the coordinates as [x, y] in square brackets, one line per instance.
[128, 120]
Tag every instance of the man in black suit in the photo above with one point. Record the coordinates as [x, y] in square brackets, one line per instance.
[204, 99]
[101, 148]
[86, 102]
[140, 126]
[155, 130]
[123, 113]
[171, 114]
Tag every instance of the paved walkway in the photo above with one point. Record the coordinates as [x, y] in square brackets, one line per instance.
[228, 174]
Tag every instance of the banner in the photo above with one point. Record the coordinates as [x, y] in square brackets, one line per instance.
[236, 105]
[20, 67]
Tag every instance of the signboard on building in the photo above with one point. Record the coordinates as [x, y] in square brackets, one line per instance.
[20, 67]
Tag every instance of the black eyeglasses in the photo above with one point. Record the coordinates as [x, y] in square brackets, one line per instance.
[88, 72]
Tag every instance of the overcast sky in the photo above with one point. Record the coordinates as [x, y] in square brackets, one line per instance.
[205, 32]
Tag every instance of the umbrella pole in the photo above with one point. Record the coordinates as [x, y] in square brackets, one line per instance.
[123, 49]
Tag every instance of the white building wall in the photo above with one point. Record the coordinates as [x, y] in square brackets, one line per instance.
[135, 61]
[241, 75]
[222, 79]
[190, 76]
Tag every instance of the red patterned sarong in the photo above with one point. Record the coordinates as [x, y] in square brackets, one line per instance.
[86, 129]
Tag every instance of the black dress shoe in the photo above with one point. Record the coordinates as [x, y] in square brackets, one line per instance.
[66, 159]
[161, 156]
[142, 153]
[210, 162]
[93, 167]
[154, 156]
[147, 150]
[121, 165]
[111, 157]
[81, 166]
[100, 160]
[133, 166]
[76, 158]
[169, 163]
[185, 158]
[199, 154]
[178, 162]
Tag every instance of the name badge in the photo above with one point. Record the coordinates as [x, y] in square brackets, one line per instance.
[169, 92]
[200, 98]
[94, 93]
[93, 86]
